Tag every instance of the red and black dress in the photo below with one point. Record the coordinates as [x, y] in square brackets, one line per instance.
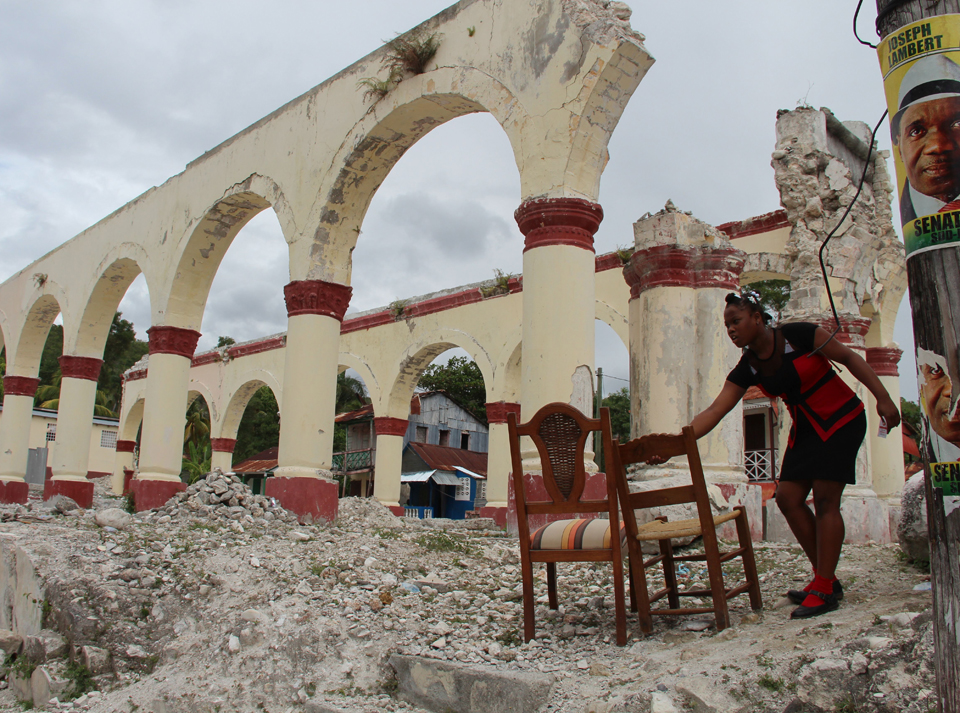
[829, 421]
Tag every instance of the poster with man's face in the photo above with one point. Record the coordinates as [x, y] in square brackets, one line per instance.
[921, 65]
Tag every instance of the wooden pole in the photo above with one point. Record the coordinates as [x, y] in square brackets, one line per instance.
[934, 282]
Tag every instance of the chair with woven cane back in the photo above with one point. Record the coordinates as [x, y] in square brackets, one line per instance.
[663, 531]
[559, 433]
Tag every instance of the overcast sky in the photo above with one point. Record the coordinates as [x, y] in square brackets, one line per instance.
[103, 99]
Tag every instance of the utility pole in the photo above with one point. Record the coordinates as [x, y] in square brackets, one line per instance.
[919, 56]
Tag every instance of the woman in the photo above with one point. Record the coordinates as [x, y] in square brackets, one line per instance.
[829, 424]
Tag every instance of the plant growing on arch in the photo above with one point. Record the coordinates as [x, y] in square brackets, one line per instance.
[411, 52]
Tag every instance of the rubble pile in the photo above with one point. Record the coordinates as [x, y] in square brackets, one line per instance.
[222, 497]
[179, 610]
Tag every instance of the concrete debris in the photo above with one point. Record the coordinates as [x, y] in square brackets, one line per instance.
[180, 612]
[113, 517]
[912, 529]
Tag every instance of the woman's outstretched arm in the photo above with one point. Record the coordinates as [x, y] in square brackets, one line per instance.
[708, 419]
[840, 353]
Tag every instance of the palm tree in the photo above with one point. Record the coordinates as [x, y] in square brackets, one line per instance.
[48, 396]
[351, 393]
[198, 423]
[196, 463]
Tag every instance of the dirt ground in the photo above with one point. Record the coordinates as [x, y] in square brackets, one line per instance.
[203, 608]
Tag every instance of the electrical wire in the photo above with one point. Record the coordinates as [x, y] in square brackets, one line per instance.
[863, 42]
[823, 247]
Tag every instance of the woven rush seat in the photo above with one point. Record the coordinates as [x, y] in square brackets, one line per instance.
[580, 534]
[666, 530]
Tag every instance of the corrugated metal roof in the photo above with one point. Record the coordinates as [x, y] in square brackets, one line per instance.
[441, 477]
[475, 476]
[419, 477]
[263, 462]
[446, 458]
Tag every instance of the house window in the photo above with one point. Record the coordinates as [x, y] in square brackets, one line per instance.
[481, 490]
[463, 489]
[421, 434]
[108, 439]
[51, 432]
[444, 437]
[465, 441]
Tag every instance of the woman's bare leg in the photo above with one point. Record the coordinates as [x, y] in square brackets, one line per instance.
[792, 501]
[830, 527]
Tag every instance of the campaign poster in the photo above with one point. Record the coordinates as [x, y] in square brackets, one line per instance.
[921, 80]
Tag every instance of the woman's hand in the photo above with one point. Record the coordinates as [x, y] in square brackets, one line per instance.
[889, 412]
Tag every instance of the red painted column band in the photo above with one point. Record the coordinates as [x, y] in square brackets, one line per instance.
[173, 340]
[673, 266]
[126, 446]
[330, 299]
[389, 426]
[20, 385]
[884, 360]
[497, 411]
[852, 329]
[223, 445]
[78, 367]
[558, 221]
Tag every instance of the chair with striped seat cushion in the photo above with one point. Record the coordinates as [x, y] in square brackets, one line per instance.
[560, 432]
[592, 534]
[662, 531]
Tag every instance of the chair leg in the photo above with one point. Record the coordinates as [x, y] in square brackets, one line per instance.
[618, 601]
[526, 574]
[633, 587]
[638, 587]
[749, 563]
[715, 572]
[552, 584]
[670, 573]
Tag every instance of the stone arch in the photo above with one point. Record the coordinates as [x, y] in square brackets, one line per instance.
[617, 79]
[197, 389]
[236, 403]
[419, 355]
[131, 419]
[352, 361]
[765, 266]
[208, 239]
[615, 320]
[506, 383]
[41, 309]
[375, 144]
[117, 271]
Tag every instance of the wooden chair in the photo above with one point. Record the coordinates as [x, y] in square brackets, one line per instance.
[559, 433]
[661, 530]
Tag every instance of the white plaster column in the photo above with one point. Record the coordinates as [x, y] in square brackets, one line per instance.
[315, 309]
[386, 474]
[18, 393]
[122, 461]
[222, 453]
[887, 453]
[78, 392]
[559, 305]
[164, 413]
[498, 453]
[679, 352]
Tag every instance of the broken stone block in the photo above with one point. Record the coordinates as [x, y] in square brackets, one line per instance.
[96, 660]
[826, 682]
[113, 517]
[10, 641]
[704, 696]
[45, 645]
[44, 687]
[912, 528]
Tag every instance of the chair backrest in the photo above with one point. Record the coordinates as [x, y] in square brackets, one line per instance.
[639, 450]
[559, 432]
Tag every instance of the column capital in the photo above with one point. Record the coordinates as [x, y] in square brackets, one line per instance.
[330, 299]
[497, 411]
[696, 267]
[20, 385]
[173, 340]
[223, 445]
[558, 221]
[852, 329]
[78, 367]
[389, 426]
[884, 360]
[126, 446]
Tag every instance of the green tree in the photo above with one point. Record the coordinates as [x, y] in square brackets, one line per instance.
[911, 415]
[197, 429]
[48, 396]
[351, 395]
[121, 351]
[619, 404]
[259, 427]
[196, 462]
[3, 370]
[461, 379]
[50, 357]
[774, 294]
[225, 342]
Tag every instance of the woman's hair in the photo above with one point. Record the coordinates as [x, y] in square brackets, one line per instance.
[749, 300]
